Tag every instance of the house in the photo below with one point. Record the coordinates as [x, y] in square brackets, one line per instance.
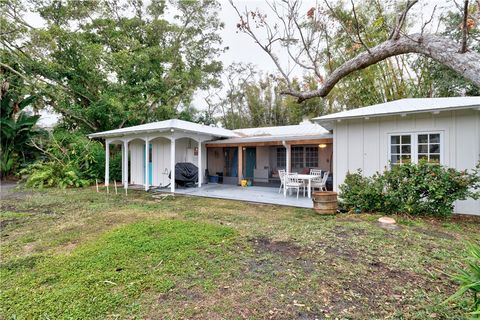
[256, 153]
[445, 130]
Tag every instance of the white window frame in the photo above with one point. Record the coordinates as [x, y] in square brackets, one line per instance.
[414, 144]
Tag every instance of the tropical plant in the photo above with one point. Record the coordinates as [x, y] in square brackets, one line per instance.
[17, 127]
[71, 160]
[469, 280]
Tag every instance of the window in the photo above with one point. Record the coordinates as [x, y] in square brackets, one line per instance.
[400, 149]
[311, 157]
[429, 147]
[406, 148]
[281, 157]
[297, 157]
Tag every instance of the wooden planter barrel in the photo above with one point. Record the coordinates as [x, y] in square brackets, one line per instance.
[325, 202]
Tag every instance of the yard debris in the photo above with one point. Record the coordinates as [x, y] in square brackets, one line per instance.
[109, 282]
[162, 196]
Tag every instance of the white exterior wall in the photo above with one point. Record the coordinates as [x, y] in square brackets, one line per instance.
[184, 148]
[160, 162]
[137, 174]
[363, 144]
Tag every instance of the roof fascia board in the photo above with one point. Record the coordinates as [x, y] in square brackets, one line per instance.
[388, 114]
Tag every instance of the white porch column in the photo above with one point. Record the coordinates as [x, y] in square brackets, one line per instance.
[200, 170]
[172, 164]
[123, 167]
[125, 164]
[147, 161]
[289, 158]
[107, 162]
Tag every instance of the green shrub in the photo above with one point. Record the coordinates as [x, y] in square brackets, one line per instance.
[362, 194]
[469, 280]
[416, 189]
[70, 160]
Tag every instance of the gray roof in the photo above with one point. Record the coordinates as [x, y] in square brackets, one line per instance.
[165, 126]
[403, 106]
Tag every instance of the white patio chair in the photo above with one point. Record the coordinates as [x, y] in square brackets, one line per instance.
[317, 181]
[323, 186]
[292, 182]
[281, 174]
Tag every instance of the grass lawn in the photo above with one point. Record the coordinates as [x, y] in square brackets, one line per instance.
[78, 254]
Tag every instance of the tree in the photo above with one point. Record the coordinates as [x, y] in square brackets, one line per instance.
[254, 99]
[307, 36]
[109, 64]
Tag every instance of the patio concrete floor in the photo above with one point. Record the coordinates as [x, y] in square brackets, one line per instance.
[251, 194]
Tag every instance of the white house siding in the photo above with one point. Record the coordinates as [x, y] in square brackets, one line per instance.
[184, 152]
[363, 144]
[136, 148]
[160, 162]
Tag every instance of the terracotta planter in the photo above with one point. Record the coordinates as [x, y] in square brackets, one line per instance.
[325, 202]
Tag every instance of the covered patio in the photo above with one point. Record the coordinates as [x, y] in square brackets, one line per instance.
[267, 195]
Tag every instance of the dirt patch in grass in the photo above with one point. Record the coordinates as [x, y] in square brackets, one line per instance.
[284, 248]
[4, 223]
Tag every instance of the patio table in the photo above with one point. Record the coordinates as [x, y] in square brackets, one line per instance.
[305, 177]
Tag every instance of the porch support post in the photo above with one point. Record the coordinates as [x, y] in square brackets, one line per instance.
[107, 162]
[122, 162]
[200, 170]
[125, 164]
[240, 164]
[147, 161]
[289, 158]
[172, 164]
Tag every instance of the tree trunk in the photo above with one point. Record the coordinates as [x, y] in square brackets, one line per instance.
[439, 48]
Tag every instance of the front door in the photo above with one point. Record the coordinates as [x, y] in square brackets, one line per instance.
[150, 175]
[250, 162]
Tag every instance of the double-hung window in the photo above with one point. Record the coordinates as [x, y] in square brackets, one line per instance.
[281, 157]
[400, 149]
[311, 157]
[412, 147]
[429, 147]
[297, 157]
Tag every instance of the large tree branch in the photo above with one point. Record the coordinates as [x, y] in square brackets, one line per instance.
[464, 27]
[440, 49]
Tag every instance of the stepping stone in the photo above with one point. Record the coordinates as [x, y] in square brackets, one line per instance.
[386, 220]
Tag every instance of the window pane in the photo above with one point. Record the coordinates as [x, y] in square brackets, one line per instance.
[395, 140]
[423, 157]
[435, 158]
[406, 139]
[423, 148]
[406, 149]
[406, 158]
[435, 138]
[434, 148]
[395, 158]
[395, 149]
[423, 138]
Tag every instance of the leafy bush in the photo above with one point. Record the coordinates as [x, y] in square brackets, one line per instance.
[416, 189]
[469, 280]
[71, 160]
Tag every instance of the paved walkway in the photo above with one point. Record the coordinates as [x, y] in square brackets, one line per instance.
[251, 194]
